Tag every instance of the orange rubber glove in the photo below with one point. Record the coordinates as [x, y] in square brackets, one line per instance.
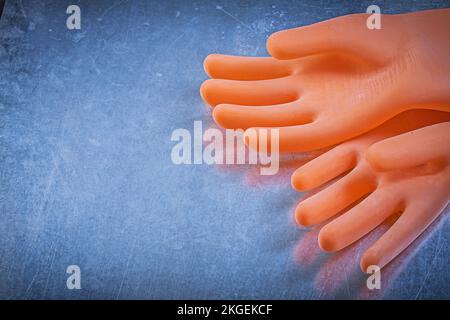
[353, 80]
[415, 160]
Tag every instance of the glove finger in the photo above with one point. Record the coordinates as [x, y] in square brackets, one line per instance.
[323, 168]
[334, 198]
[359, 220]
[252, 93]
[232, 116]
[219, 66]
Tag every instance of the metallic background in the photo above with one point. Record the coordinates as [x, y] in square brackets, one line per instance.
[86, 176]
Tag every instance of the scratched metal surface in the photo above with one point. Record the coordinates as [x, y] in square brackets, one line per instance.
[86, 176]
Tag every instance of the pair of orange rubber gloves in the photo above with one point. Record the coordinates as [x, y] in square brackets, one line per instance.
[380, 97]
